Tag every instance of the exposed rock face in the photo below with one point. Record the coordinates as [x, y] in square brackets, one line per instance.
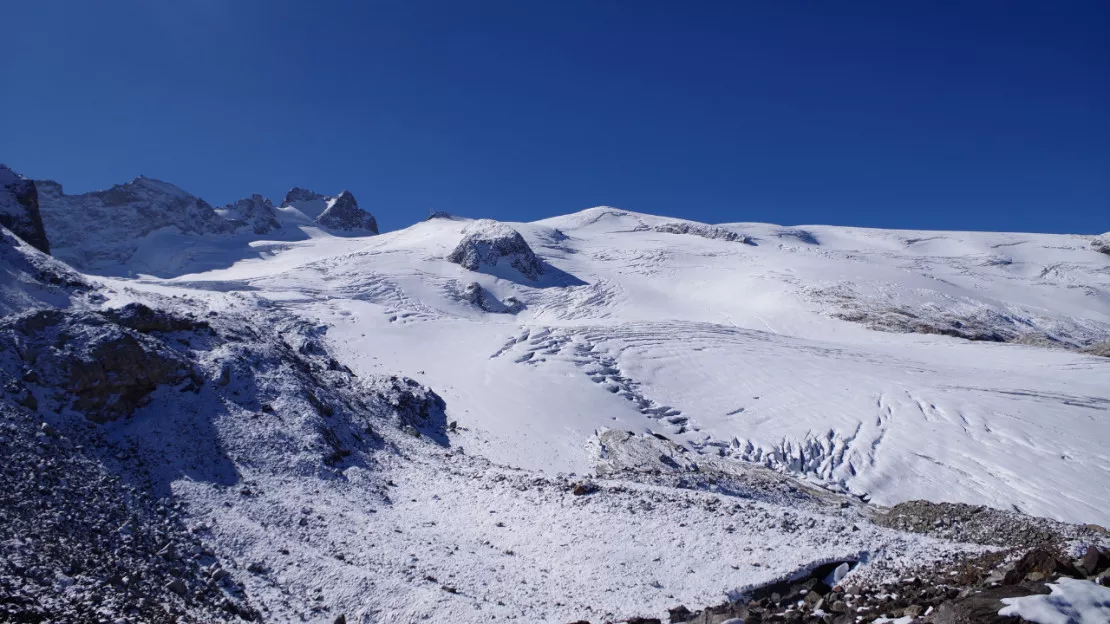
[700, 229]
[254, 212]
[98, 367]
[344, 214]
[475, 295]
[487, 243]
[19, 209]
[100, 228]
[1101, 243]
[340, 213]
[299, 195]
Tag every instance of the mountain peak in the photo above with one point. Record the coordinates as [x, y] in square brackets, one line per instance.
[298, 194]
[344, 214]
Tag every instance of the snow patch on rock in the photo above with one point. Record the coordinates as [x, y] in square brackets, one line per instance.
[487, 244]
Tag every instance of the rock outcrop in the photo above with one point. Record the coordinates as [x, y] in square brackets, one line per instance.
[486, 244]
[343, 214]
[1101, 243]
[105, 370]
[711, 232]
[255, 213]
[340, 213]
[19, 209]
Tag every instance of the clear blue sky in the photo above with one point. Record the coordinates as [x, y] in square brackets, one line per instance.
[939, 114]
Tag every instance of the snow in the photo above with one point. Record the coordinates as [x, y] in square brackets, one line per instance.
[1071, 602]
[724, 347]
[739, 354]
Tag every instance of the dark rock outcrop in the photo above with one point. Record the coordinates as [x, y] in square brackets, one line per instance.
[92, 364]
[1101, 243]
[19, 209]
[344, 214]
[711, 232]
[487, 243]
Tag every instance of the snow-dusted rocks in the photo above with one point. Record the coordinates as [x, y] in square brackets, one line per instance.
[255, 213]
[105, 370]
[1101, 243]
[487, 244]
[101, 228]
[19, 209]
[711, 232]
[340, 213]
[479, 297]
[30, 279]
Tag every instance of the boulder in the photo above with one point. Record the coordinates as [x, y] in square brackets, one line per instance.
[1038, 564]
[486, 244]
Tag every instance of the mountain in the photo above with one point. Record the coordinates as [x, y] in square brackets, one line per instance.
[147, 226]
[340, 213]
[105, 228]
[601, 416]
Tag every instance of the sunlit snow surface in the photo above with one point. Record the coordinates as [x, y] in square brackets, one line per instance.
[1071, 602]
[727, 348]
[735, 349]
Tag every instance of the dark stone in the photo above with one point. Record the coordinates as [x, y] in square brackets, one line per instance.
[1093, 561]
[1039, 561]
[19, 209]
[679, 614]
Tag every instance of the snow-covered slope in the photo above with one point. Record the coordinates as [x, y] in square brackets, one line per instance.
[760, 347]
[611, 416]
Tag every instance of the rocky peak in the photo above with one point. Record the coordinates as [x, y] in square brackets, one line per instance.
[19, 209]
[255, 212]
[298, 194]
[344, 214]
[1101, 243]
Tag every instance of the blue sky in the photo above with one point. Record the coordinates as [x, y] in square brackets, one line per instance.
[950, 115]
